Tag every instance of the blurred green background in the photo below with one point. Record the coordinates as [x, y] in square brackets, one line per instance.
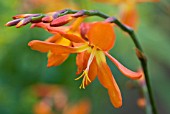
[21, 68]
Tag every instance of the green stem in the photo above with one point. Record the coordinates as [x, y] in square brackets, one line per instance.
[143, 62]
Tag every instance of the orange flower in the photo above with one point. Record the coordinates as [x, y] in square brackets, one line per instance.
[91, 58]
[57, 59]
[128, 11]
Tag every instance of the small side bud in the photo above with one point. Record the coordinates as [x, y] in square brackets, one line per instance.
[13, 22]
[140, 54]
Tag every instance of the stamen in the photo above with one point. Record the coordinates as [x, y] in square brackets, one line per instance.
[84, 75]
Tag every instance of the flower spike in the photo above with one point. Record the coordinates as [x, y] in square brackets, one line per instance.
[90, 41]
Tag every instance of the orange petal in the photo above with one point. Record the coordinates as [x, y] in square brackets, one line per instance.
[81, 61]
[124, 70]
[71, 37]
[92, 71]
[43, 46]
[107, 80]
[80, 58]
[40, 25]
[54, 38]
[55, 60]
[101, 32]
[75, 25]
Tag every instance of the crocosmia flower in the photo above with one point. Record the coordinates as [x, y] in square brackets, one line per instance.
[53, 58]
[92, 47]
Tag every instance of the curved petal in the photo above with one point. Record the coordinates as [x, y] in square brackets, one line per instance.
[55, 60]
[107, 80]
[92, 71]
[40, 25]
[55, 30]
[80, 59]
[54, 38]
[75, 25]
[65, 34]
[124, 70]
[73, 38]
[101, 32]
[43, 46]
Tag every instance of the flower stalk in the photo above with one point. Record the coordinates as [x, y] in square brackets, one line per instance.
[142, 58]
[21, 20]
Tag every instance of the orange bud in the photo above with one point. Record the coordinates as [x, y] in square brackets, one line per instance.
[24, 22]
[61, 20]
[47, 19]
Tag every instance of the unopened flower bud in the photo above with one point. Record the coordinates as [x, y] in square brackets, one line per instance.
[61, 20]
[24, 22]
[13, 22]
[25, 16]
[47, 19]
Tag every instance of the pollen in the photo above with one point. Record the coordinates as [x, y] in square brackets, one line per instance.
[85, 80]
[84, 75]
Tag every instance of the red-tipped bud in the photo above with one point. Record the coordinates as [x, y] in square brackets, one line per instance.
[25, 16]
[23, 22]
[79, 14]
[61, 20]
[47, 19]
[13, 22]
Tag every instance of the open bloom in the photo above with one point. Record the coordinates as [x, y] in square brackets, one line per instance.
[97, 39]
[53, 58]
